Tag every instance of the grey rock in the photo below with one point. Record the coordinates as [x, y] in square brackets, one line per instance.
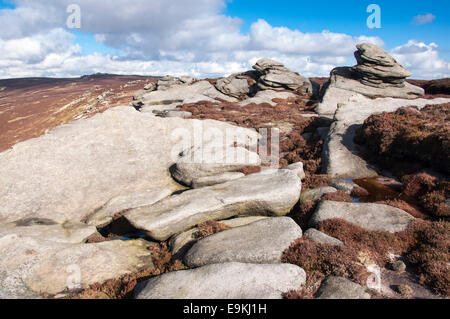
[375, 217]
[318, 237]
[34, 266]
[274, 76]
[267, 96]
[212, 160]
[104, 215]
[266, 194]
[315, 193]
[225, 281]
[69, 232]
[215, 179]
[343, 185]
[180, 243]
[298, 169]
[341, 288]
[75, 169]
[235, 85]
[174, 113]
[151, 86]
[261, 242]
[398, 266]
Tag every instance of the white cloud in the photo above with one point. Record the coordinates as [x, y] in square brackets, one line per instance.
[158, 37]
[424, 19]
[422, 60]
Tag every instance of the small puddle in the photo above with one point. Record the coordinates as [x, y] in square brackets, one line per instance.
[378, 191]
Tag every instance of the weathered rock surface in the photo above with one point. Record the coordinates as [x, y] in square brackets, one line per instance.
[315, 193]
[271, 194]
[340, 154]
[76, 168]
[275, 76]
[298, 169]
[261, 242]
[225, 281]
[341, 288]
[376, 217]
[29, 265]
[105, 215]
[180, 243]
[343, 185]
[215, 179]
[211, 160]
[69, 232]
[235, 85]
[318, 237]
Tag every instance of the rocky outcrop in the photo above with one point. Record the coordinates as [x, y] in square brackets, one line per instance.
[34, 266]
[341, 288]
[275, 76]
[267, 194]
[377, 68]
[237, 85]
[261, 242]
[225, 281]
[77, 168]
[340, 153]
[376, 217]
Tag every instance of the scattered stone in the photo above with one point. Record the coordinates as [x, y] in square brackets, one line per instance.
[69, 232]
[318, 237]
[261, 242]
[225, 281]
[266, 194]
[211, 160]
[315, 193]
[173, 113]
[398, 266]
[151, 86]
[377, 217]
[180, 243]
[29, 265]
[105, 214]
[341, 288]
[405, 290]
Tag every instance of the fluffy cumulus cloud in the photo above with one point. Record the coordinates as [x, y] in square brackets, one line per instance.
[161, 37]
[422, 59]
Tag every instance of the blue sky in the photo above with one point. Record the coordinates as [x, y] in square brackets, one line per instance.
[216, 37]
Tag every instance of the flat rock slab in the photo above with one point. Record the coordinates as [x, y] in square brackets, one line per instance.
[70, 232]
[266, 96]
[261, 242]
[182, 242]
[225, 281]
[41, 266]
[341, 288]
[375, 217]
[104, 215]
[75, 169]
[261, 194]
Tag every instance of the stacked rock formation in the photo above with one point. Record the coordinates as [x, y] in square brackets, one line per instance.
[275, 76]
[377, 68]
